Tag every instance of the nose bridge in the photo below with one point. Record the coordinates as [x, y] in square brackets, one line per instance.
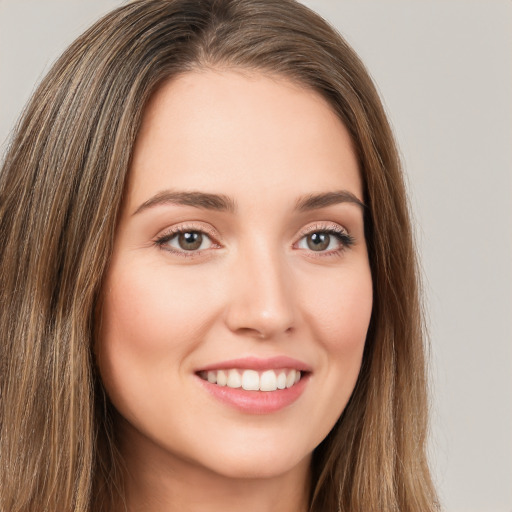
[261, 299]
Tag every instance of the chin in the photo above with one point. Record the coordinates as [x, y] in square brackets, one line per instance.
[260, 468]
[257, 461]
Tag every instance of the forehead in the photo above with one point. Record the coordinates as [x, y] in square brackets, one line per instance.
[236, 132]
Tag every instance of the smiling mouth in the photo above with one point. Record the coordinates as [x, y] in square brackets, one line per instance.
[252, 380]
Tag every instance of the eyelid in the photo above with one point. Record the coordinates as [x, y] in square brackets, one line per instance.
[188, 226]
[323, 226]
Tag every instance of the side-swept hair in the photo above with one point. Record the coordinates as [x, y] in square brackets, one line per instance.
[61, 186]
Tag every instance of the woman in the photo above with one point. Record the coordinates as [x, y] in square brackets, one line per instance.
[209, 289]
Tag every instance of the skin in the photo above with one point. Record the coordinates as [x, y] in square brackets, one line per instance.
[255, 288]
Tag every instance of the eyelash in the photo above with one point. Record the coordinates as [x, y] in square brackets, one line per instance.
[346, 240]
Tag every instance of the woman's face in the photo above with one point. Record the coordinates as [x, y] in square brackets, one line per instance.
[239, 259]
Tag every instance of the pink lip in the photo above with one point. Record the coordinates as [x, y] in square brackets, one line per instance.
[256, 402]
[255, 363]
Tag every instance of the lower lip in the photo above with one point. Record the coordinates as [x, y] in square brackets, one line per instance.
[256, 402]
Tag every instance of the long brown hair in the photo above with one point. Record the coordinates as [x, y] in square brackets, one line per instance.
[61, 187]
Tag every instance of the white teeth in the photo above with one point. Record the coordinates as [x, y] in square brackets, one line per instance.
[268, 381]
[251, 380]
[290, 379]
[281, 380]
[222, 378]
[234, 379]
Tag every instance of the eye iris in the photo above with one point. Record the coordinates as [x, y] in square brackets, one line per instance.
[190, 241]
[318, 241]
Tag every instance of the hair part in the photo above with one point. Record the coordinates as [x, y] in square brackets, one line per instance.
[61, 188]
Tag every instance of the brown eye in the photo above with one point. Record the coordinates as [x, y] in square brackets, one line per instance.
[186, 241]
[190, 240]
[328, 241]
[318, 241]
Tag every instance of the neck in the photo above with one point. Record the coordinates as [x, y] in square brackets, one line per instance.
[159, 481]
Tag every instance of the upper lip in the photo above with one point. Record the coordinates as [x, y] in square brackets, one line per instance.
[256, 363]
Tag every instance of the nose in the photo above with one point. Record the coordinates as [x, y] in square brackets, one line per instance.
[261, 301]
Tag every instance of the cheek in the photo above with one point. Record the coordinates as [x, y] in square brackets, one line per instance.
[153, 318]
[131, 318]
[339, 315]
[339, 308]
[145, 333]
[148, 312]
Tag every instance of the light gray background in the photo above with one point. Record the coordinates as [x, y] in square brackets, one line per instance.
[444, 70]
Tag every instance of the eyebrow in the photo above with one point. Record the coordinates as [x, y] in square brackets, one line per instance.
[223, 203]
[317, 201]
[202, 200]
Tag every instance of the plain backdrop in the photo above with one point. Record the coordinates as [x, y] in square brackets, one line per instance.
[444, 70]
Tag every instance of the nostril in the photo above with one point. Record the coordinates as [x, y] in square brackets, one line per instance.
[262, 333]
